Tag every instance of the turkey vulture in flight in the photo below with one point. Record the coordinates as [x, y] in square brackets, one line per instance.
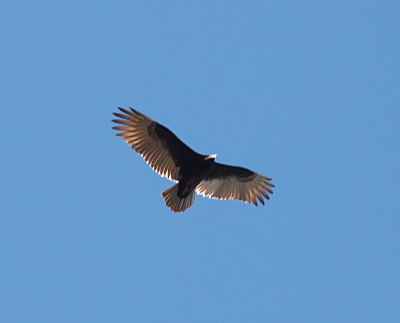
[194, 173]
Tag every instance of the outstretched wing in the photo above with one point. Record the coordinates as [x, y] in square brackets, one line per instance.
[158, 146]
[237, 183]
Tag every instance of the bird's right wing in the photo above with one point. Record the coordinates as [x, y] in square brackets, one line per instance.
[237, 183]
[158, 146]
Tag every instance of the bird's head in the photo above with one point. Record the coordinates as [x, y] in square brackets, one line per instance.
[210, 157]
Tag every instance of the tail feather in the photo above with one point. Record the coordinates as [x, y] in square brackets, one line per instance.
[174, 202]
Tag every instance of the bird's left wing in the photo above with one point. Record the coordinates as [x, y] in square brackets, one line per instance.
[237, 183]
[158, 146]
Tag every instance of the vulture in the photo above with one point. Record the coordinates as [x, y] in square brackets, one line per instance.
[193, 173]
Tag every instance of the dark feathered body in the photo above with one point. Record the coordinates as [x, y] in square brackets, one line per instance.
[194, 172]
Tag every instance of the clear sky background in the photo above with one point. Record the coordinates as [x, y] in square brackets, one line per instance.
[305, 92]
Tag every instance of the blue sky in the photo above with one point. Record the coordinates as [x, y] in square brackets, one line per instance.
[305, 92]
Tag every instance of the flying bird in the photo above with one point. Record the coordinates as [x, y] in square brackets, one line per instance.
[194, 173]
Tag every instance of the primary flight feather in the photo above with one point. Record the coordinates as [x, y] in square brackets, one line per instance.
[193, 172]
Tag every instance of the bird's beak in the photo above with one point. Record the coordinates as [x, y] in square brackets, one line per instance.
[211, 157]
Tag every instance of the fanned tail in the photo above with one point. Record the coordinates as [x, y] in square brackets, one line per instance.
[174, 202]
